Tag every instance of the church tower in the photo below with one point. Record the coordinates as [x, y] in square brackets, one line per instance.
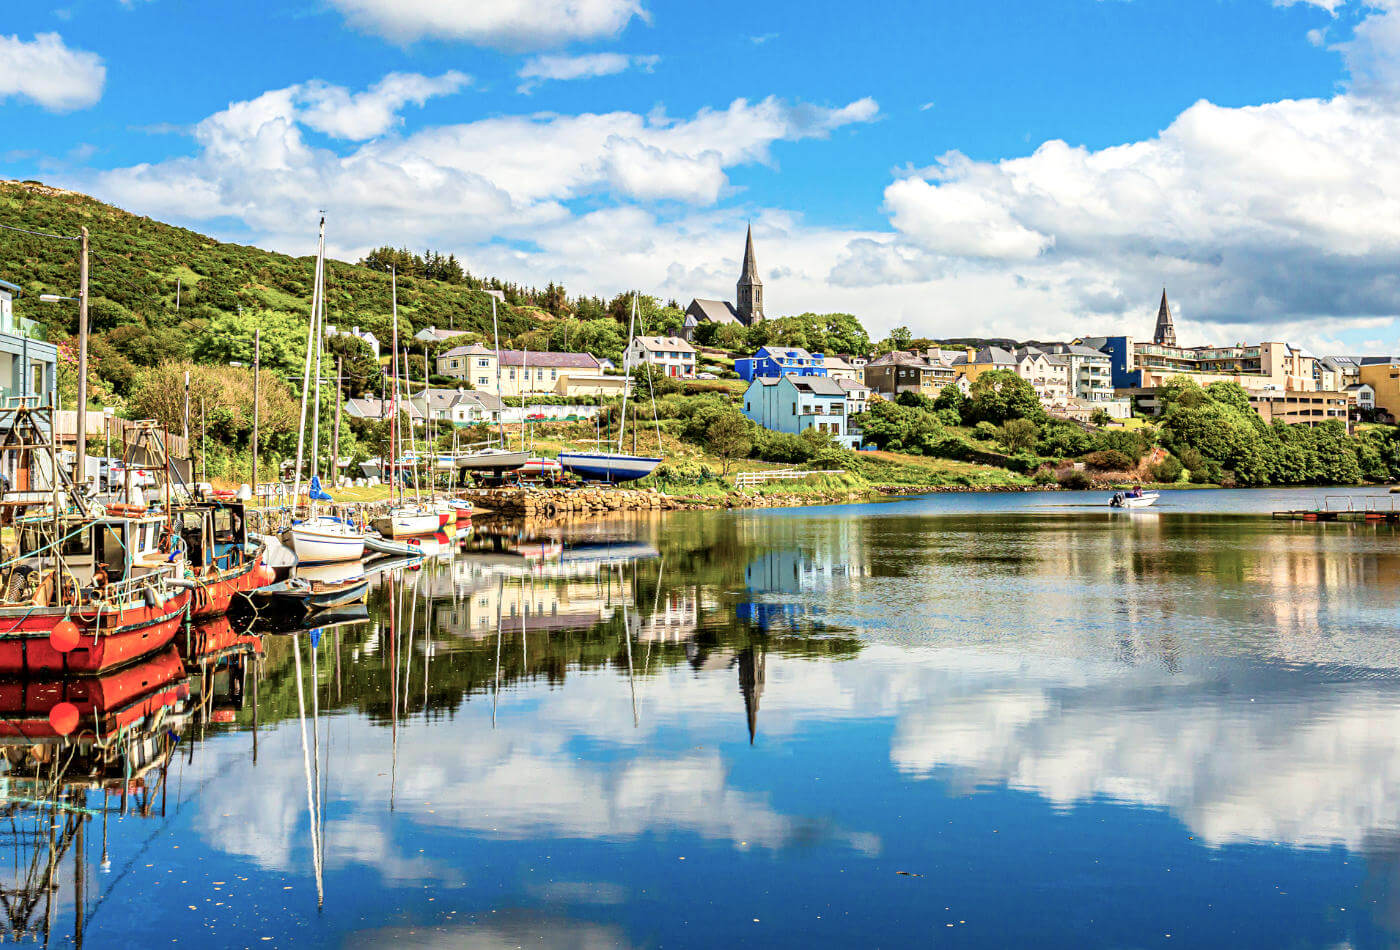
[750, 293]
[1165, 334]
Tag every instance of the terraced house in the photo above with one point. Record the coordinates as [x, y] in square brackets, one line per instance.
[795, 404]
[522, 372]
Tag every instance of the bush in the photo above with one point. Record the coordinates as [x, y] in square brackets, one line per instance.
[1100, 417]
[1044, 476]
[1018, 434]
[1075, 480]
[784, 447]
[986, 431]
[1168, 470]
[1109, 460]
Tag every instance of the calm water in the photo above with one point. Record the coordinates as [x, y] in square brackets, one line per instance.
[968, 720]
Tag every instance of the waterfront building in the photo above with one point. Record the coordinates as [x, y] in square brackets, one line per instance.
[748, 306]
[780, 361]
[1382, 374]
[461, 407]
[672, 355]
[1090, 371]
[838, 367]
[522, 372]
[28, 363]
[368, 338]
[794, 404]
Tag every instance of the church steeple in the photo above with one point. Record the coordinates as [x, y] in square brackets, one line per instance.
[1165, 334]
[750, 289]
[752, 665]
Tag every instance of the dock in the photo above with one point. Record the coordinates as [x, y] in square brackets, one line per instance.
[1379, 509]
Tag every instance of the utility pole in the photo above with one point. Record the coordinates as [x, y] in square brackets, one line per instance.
[187, 410]
[257, 380]
[335, 438]
[203, 446]
[177, 294]
[80, 466]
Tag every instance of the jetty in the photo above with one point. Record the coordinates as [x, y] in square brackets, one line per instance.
[1369, 508]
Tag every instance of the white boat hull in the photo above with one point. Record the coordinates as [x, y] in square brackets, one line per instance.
[323, 545]
[607, 467]
[492, 460]
[409, 524]
[1146, 501]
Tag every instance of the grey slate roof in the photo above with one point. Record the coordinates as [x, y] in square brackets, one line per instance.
[714, 311]
[818, 385]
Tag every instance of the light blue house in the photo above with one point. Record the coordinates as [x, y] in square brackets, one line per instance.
[775, 361]
[796, 403]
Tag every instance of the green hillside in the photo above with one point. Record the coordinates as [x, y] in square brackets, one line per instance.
[137, 262]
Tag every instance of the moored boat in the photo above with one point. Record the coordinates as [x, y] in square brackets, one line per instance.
[411, 521]
[1133, 499]
[221, 558]
[48, 707]
[609, 466]
[299, 597]
[325, 539]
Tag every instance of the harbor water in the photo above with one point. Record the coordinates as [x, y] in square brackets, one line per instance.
[964, 720]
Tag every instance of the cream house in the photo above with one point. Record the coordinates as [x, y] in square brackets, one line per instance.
[520, 371]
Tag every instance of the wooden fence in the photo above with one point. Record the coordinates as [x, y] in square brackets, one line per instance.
[754, 479]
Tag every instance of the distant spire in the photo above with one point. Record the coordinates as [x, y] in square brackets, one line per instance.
[751, 677]
[1165, 334]
[750, 268]
[750, 288]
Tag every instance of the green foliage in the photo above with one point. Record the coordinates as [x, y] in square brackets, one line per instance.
[1063, 440]
[1100, 417]
[1075, 480]
[1017, 435]
[898, 428]
[1168, 471]
[999, 395]
[729, 436]
[431, 265]
[1109, 460]
[986, 431]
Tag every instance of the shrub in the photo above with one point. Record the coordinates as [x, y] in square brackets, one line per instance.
[1109, 460]
[1100, 417]
[1075, 480]
[986, 431]
[1168, 470]
[1018, 434]
[1044, 476]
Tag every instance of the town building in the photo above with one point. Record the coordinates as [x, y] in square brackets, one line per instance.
[462, 407]
[1090, 371]
[748, 306]
[434, 335]
[780, 361]
[1364, 396]
[1347, 368]
[857, 395]
[591, 384]
[901, 371]
[367, 337]
[672, 355]
[522, 372]
[794, 404]
[1382, 374]
[839, 368]
[28, 364]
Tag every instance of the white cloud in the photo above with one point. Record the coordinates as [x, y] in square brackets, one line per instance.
[503, 24]
[47, 72]
[341, 114]
[1331, 6]
[456, 183]
[588, 66]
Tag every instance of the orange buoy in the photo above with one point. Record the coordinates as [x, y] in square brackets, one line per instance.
[64, 718]
[64, 636]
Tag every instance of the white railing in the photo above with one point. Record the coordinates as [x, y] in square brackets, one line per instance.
[754, 479]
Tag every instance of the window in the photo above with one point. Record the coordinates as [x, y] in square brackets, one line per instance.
[482, 380]
[512, 374]
[482, 363]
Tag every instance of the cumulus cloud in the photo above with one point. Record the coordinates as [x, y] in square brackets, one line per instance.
[503, 24]
[588, 66]
[365, 115]
[45, 71]
[459, 183]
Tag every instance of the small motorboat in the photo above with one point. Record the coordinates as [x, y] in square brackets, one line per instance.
[324, 540]
[1134, 498]
[411, 521]
[299, 597]
[382, 545]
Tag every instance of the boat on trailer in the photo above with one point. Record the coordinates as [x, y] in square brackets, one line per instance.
[609, 466]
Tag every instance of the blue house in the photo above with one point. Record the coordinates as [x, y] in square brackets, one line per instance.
[1121, 358]
[775, 361]
[28, 364]
[796, 403]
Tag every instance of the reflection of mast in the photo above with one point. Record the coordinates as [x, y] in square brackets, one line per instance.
[751, 676]
[306, 765]
[627, 638]
[496, 688]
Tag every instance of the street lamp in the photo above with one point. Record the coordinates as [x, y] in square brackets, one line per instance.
[80, 462]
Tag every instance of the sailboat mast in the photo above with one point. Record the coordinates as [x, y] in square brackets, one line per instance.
[318, 321]
[627, 374]
[306, 372]
[524, 383]
[394, 395]
[496, 335]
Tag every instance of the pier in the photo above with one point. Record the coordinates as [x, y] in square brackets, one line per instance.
[1378, 509]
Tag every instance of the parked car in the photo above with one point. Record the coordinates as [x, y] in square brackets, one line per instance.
[535, 417]
[706, 376]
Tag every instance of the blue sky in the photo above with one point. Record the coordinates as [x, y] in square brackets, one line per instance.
[892, 156]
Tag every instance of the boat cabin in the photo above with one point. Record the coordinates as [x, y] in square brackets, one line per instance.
[215, 535]
[126, 548]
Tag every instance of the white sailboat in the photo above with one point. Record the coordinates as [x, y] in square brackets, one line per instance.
[319, 539]
[495, 458]
[616, 466]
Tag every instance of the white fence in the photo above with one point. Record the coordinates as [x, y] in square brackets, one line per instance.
[754, 479]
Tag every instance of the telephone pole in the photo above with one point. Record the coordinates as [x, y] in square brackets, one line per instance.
[80, 465]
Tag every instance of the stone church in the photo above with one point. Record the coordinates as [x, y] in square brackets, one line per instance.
[749, 294]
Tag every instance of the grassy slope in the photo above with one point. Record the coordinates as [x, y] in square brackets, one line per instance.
[136, 262]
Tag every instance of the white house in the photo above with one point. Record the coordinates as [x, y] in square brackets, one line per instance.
[434, 335]
[672, 355]
[370, 339]
[1364, 395]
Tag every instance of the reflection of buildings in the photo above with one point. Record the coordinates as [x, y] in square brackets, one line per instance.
[566, 598]
[801, 574]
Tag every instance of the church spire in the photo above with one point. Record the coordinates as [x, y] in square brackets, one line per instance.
[750, 288]
[1165, 334]
[751, 677]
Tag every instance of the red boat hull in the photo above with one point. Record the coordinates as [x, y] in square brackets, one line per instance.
[114, 637]
[117, 699]
[213, 639]
[216, 591]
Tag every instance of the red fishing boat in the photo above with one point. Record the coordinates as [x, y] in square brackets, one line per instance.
[87, 706]
[100, 597]
[221, 561]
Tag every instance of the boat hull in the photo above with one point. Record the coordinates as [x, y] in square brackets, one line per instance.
[215, 592]
[412, 525]
[315, 546]
[113, 637]
[605, 467]
[1146, 501]
[119, 698]
[492, 461]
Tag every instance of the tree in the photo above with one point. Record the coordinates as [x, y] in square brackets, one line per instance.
[1100, 417]
[1018, 434]
[899, 338]
[229, 337]
[227, 391]
[728, 436]
[999, 395]
[361, 372]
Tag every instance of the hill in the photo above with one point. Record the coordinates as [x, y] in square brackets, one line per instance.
[138, 263]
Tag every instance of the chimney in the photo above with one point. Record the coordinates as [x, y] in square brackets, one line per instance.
[971, 354]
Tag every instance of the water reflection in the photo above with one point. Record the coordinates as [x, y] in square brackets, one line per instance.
[546, 732]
